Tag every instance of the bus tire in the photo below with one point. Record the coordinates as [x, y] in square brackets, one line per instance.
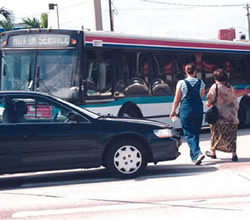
[126, 159]
[244, 112]
[130, 110]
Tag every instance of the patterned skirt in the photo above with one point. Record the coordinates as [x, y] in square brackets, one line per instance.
[223, 136]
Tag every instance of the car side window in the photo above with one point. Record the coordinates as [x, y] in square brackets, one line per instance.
[2, 110]
[36, 110]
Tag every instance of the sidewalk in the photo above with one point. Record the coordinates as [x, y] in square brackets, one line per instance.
[243, 149]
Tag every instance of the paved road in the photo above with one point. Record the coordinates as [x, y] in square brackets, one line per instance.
[171, 190]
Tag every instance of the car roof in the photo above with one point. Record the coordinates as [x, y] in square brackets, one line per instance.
[22, 92]
[18, 92]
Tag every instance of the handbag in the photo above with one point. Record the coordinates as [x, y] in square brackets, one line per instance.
[212, 114]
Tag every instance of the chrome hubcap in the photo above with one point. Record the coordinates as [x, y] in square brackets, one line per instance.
[127, 159]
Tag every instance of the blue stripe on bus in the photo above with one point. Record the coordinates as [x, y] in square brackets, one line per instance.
[149, 99]
[247, 86]
[173, 48]
[137, 100]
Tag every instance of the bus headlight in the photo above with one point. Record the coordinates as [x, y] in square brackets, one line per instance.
[164, 133]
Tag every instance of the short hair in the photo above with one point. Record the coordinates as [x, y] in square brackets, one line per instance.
[190, 68]
[220, 75]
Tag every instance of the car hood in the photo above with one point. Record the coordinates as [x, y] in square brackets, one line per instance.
[137, 121]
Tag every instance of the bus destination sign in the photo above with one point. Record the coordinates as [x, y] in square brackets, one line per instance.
[39, 40]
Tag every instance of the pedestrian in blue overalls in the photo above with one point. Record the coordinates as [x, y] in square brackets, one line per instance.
[189, 93]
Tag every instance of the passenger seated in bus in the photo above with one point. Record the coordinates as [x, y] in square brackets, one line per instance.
[168, 71]
[168, 76]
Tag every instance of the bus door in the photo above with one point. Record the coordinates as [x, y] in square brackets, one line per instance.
[57, 73]
[99, 76]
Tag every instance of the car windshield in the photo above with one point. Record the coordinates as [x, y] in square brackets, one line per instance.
[83, 110]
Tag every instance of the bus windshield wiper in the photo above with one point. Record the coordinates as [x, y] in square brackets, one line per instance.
[37, 77]
[30, 81]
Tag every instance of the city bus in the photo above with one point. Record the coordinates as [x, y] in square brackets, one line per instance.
[118, 74]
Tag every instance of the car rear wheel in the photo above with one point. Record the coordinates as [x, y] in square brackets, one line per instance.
[126, 159]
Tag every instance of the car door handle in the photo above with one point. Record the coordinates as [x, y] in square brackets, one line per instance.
[27, 135]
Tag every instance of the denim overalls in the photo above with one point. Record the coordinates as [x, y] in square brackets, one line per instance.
[191, 114]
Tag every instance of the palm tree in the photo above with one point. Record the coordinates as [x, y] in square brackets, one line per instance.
[44, 20]
[7, 24]
[6, 14]
[31, 23]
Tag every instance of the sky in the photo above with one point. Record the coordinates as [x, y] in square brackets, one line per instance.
[171, 18]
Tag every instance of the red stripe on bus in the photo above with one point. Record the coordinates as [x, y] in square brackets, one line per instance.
[134, 41]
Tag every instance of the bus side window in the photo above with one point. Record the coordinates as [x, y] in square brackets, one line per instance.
[137, 82]
[168, 68]
[209, 64]
[237, 71]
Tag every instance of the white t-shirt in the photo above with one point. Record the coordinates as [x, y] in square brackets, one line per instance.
[182, 85]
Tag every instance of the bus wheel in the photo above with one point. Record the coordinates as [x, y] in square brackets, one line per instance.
[130, 110]
[130, 113]
[126, 159]
[244, 112]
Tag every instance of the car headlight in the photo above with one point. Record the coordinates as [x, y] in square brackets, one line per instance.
[164, 133]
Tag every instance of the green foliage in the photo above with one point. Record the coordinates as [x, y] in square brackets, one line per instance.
[31, 23]
[44, 20]
[7, 25]
[6, 14]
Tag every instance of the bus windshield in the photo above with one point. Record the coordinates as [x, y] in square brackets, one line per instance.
[17, 69]
[50, 71]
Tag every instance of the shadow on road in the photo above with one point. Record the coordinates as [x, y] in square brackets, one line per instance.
[78, 176]
[228, 162]
[163, 171]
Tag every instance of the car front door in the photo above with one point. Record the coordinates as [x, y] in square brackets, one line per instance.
[8, 156]
[48, 140]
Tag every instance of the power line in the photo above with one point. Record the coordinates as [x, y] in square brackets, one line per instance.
[191, 5]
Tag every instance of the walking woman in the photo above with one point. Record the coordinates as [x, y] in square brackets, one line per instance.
[224, 131]
[189, 93]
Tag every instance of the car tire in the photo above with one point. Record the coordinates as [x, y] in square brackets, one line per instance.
[126, 159]
[244, 112]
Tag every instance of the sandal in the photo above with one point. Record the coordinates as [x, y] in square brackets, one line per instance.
[209, 154]
[235, 158]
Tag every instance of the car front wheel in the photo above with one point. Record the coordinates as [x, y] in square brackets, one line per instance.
[126, 159]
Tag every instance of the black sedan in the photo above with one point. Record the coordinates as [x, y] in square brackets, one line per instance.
[39, 132]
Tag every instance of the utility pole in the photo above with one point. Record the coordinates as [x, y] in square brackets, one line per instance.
[111, 16]
[248, 20]
[98, 15]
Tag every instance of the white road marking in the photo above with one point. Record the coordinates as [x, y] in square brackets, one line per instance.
[197, 203]
[26, 214]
